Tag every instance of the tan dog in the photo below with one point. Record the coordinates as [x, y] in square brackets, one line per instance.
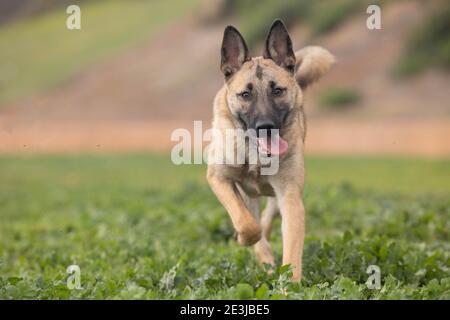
[265, 93]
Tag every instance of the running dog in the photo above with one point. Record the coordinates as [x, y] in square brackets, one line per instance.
[265, 94]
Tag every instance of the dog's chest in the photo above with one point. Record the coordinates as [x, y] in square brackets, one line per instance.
[255, 184]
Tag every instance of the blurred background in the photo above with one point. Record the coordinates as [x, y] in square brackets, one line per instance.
[85, 123]
[139, 69]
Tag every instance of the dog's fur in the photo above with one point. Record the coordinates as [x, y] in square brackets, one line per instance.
[238, 187]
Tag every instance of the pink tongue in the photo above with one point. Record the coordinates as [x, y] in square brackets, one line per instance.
[274, 145]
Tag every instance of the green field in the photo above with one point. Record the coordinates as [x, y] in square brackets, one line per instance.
[140, 227]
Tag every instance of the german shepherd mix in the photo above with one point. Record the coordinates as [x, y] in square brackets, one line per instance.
[266, 93]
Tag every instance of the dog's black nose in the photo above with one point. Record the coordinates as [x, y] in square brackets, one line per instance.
[264, 125]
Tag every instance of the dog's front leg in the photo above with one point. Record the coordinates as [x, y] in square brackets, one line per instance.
[248, 229]
[293, 228]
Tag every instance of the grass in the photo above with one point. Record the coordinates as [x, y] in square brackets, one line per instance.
[41, 52]
[140, 227]
[338, 98]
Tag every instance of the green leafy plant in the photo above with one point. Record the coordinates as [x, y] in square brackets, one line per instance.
[134, 237]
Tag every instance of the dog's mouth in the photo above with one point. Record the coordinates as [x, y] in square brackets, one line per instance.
[272, 145]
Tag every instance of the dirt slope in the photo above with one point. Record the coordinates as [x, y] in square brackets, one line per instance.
[134, 101]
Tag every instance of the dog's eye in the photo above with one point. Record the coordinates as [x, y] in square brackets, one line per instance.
[246, 95]
[278, 91]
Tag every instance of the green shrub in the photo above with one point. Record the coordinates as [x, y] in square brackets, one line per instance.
[328, 15]
[339, 97]
[255, 16]
[428, 46]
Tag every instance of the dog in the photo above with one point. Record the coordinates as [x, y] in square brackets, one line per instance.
[265, 93]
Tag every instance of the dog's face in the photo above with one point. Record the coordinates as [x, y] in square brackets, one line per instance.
[264, 93]
[261, 92]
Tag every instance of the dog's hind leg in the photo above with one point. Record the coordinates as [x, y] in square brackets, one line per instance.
[267, 216]
[262, 247]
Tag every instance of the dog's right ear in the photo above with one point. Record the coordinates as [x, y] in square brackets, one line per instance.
[234, 52]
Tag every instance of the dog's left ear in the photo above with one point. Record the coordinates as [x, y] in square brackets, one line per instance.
[279, 47]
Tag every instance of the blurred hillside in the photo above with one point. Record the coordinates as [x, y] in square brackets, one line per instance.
[13, 10]
[138, 70]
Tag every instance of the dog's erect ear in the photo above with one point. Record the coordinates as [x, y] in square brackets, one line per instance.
[279, 46]
[312, 63]
[234, 52]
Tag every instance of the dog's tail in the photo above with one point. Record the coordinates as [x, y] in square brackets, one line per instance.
[312, 63]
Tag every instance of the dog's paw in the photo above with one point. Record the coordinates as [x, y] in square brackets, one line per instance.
[249, 236]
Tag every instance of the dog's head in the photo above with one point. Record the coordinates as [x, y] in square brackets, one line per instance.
[262, 92]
